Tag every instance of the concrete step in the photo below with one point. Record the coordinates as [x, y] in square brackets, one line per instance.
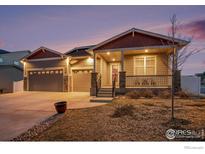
[101, 99]
[105, 92]
[104, 95]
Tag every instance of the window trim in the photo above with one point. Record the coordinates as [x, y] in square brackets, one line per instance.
[145, 63]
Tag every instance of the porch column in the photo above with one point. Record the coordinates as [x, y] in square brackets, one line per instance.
[122, 82]
[93, 77]
[93, 83]
[25, 87]
[94, 62]
[122, 75]
[122, 60]
[25, 79]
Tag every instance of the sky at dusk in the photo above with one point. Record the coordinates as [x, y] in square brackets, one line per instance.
[64, 27]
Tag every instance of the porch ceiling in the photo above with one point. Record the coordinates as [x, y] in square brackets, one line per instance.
[113, 56]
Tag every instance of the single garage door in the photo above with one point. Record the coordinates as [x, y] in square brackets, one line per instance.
[81, 80]
[48, 80]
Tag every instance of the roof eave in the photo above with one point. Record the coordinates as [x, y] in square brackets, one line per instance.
[139, 31]
[56, 52]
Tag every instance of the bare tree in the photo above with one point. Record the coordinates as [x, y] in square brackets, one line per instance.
[178, 56]
[181, 54]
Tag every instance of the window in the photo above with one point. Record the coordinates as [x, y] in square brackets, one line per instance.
[16, 63]
[145, 65]
[139, 65]
[1, 60]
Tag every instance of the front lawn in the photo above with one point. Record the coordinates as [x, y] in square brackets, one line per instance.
[139, 120]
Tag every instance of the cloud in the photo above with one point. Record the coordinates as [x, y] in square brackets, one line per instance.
[195, 28]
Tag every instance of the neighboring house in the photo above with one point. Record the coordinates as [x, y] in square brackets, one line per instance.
[191, 84]
[202, 76]
[10, 69]
[131, 60]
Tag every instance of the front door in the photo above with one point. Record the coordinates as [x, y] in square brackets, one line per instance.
[114, 72]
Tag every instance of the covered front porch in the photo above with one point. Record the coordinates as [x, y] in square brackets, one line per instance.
[133, 59]
[129, 69]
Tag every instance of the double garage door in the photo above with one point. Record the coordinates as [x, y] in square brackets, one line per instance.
[46, 80]
[81, 80]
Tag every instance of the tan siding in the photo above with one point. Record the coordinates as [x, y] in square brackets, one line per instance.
[98, 65]
[129, 65]
[162, 68]
[48, 63]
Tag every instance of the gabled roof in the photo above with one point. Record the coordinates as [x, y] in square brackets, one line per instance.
[143, 32]
[79, 51]
[52, 54]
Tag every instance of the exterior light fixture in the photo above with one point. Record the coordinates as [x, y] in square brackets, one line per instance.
[146, 50]
[90, 60]
[108, 53]
[113, 59]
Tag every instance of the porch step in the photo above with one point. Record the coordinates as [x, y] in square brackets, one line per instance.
[101, 99]
[104, 95]
[106, 89]
[105, 92]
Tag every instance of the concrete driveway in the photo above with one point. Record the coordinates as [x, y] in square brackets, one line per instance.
[21, 111]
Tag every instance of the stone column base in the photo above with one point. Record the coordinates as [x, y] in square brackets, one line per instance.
[122, 84]
[93, 84]
[65, 83]
[25, 84]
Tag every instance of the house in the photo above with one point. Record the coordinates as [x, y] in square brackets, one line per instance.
[134, 59]
[11, 69]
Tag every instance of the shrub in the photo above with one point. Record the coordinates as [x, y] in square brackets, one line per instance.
[147, 93]
[133, 94]
[183, 94]
[156, 92]
[125, 110]
[165, 94]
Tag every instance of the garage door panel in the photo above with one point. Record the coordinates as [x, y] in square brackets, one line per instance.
[81, 80]
[46, 81]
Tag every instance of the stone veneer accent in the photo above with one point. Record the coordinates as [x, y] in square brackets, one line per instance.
[93, 84]
[25, 84]
[65, 83]
[122, 82]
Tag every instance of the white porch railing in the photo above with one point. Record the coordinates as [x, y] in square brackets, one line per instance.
[148, 81]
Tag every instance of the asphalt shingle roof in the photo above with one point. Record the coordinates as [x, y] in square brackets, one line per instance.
[79, 51]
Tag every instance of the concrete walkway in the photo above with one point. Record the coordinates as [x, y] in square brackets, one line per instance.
[21, 111]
